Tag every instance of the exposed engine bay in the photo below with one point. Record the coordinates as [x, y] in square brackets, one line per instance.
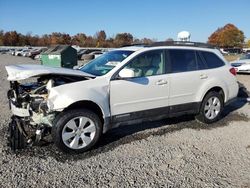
[32, 120]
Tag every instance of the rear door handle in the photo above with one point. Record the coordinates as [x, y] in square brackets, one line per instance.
[203, 76]
[161, 82]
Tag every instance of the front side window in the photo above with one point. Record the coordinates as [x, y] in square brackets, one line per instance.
[148, 64]
[212, 60]
[182, 60]
[106, 62]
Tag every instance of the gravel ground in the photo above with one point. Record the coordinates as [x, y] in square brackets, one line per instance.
[176, 152]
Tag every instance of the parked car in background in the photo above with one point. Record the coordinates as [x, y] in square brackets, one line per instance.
[80, 53]
[91, 55]
[242, 65]
[38, 57]
[83, 54]
[25, 52]
[35, 52]
[224, 52]
[11, 51]
[18, 52]
[96, 53]
[246, 50]
[233, 50]
[4, 51]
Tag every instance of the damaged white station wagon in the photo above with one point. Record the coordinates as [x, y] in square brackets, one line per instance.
[124, 86]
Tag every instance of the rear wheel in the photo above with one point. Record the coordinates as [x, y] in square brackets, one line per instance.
[211, 108]
[77, 130]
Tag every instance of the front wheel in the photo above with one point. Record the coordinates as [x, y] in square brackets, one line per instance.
[16, 139]
[76, 130]
[211, 108]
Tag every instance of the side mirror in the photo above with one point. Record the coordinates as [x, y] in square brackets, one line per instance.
[126, 73]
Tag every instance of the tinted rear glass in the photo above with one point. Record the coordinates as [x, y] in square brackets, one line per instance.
[182, 60]
[212, 60]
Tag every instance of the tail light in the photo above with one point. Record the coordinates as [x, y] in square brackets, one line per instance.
[233, 71]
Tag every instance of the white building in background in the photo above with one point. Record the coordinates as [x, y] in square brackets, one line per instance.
[183, 36]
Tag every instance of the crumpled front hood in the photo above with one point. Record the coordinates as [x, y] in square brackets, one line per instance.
[21, 72]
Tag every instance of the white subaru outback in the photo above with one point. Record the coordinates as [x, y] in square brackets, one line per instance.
[124, 86]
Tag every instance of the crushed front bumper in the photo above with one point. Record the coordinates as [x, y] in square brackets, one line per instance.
[20, 112]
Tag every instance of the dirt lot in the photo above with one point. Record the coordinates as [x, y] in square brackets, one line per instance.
[175, 152]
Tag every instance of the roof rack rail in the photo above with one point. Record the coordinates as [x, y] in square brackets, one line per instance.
[182, 43]
[135, 44]
[173, 43]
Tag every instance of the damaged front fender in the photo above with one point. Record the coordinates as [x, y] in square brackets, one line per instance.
[95, 91]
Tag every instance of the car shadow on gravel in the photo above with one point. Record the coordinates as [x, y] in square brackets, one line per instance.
[131, 133]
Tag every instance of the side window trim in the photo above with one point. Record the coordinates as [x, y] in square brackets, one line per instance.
[168, 68]
[198, 53]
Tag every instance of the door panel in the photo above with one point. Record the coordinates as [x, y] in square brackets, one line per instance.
[187, 76]
[138, 94]
[184, 86]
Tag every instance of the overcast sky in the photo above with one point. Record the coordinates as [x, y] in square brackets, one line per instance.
[157, 19]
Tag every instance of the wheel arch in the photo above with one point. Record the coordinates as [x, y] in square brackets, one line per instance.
[217, 89]
[90, 105]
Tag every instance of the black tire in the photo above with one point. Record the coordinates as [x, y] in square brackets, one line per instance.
[16, 139]
[202, 117]
[60, 125]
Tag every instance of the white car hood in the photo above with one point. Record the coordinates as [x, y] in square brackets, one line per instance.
[21, 72]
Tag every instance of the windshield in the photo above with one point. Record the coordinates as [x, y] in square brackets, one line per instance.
[106, 62]
[247, 56]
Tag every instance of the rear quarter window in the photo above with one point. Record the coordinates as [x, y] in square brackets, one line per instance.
[212, 60]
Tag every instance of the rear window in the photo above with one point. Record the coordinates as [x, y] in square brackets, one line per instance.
[212, 60]
[182, 60]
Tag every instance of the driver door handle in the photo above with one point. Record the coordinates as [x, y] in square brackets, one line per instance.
[203, 76]
[161, 82]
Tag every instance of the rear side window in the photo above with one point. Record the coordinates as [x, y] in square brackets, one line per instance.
[182, 60]
[212, 60]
